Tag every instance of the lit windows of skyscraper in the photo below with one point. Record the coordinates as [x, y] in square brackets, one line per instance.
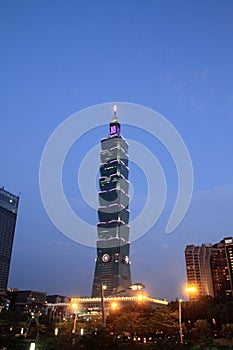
[8, 214]
[229, 253]
[112, 264]
[222, 267]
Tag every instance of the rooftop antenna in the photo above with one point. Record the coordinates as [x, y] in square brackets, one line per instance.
[114, 113]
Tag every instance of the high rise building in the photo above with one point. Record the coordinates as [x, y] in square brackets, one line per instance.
[112, 264]
[222, 267]
[210, 268]
[8, 214]
[229, 254]
[198, 269]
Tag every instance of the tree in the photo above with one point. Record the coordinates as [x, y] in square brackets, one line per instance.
[144, 321]
[202, 330]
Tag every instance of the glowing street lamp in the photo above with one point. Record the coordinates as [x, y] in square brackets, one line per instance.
[140, 300]
[191, 290]
[114, 305]
[102, 288]
[74, 307]
[140, 297]
[180, 321]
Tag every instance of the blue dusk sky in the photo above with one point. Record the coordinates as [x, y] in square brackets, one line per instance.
[59, 57]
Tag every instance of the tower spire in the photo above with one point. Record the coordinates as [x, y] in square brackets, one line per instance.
[115, 125]
[115, 119]
[115, 110]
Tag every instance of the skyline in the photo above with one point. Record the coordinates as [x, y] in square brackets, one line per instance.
[59, 58]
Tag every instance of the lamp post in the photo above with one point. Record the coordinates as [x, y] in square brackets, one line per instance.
[180, 321]
[192, 292]
[74, 306]
[102, 287]
[114, 306]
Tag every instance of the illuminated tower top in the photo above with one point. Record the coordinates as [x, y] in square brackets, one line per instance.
[115, 127]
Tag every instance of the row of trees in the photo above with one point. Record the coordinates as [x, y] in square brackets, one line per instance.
[133, 327]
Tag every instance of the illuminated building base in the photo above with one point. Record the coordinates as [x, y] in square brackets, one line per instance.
[91, 307]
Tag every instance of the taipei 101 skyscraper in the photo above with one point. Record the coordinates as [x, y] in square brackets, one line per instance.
[112, 263]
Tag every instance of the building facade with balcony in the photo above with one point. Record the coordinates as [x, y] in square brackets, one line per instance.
[209, 268]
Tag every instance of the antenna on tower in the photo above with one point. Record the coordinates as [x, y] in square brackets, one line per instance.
[115, 110]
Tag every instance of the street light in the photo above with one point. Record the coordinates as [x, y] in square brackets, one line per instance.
[114, 305]
[74, 306]
[180, 321]
[140, 297]
[191, 290]
[102, 288]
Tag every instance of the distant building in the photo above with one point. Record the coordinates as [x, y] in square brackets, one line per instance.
[92, 306]
[112, 264]
[57, 307]
[56, 299]
[210, 268]
[8, 215]
[27, 301]
[4, 300]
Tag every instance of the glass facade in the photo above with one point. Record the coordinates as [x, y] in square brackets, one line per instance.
[112, 263]
[8, 215]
